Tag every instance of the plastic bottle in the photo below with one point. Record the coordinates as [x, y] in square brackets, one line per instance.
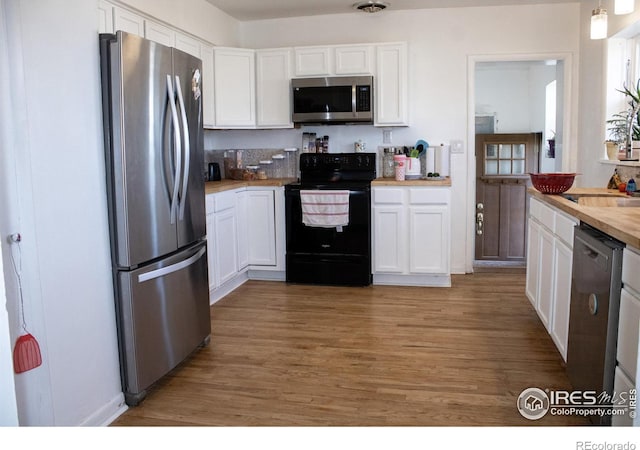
[631, 186]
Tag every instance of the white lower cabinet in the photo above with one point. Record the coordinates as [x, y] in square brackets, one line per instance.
[245, 237]
[563, 262]
[261, 228]
[411, 243]
[626, 378]
[549, 265]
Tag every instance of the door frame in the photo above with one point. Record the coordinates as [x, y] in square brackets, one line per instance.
[569, 123]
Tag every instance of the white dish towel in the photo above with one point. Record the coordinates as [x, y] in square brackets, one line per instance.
[327, 209]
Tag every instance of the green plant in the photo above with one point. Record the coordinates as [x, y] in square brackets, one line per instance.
[619, 123]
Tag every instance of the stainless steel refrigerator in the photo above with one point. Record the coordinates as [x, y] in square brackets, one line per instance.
[152, 113]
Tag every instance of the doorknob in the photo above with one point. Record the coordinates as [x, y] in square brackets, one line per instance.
[479, 223]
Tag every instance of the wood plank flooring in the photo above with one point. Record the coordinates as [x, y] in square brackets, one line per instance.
[299, 355]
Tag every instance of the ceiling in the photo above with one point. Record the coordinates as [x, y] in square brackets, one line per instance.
[271, 9]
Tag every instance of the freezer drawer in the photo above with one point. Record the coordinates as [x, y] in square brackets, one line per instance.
[163, 310]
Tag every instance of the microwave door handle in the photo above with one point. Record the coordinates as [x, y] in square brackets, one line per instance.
[187, 149]
[177, 149]
[353, 99]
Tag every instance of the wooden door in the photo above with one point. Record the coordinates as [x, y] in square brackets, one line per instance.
[503, 164]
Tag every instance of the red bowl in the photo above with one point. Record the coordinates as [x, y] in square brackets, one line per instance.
[552, 183]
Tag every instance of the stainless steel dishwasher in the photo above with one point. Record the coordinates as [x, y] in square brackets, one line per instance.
[593, 319]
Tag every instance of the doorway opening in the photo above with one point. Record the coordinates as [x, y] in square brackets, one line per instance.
[518, 109]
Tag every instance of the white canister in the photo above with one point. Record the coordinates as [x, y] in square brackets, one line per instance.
[400, 162]
[412, 171]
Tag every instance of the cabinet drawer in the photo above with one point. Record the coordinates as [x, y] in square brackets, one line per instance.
[628, 332]
[547, 216]
[388, 195]
[631, 269]
[421, 196]
[224, 200]
[564, 228]
[535, 207]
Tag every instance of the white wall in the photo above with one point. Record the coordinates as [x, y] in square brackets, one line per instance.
[440, 44]
[592, 93]
[515, 92]
[52, 191]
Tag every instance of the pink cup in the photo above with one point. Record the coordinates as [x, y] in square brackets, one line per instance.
[400, 163]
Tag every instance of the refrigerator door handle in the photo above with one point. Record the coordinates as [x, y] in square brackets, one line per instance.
[187, 148]
[172, 268]
[177, 149]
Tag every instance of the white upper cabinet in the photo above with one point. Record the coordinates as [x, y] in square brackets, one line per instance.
[354, 59]
[187, 44]
[128, 21]
[312, 61]
[159, 33]
[105, 17]
[391, 80]
[208, 93]
[234, 86]
[273, 87]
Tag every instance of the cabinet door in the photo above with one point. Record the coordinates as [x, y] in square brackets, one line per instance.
[273, 88]
[354, 59]
[389, 246]
[159, 33]
[105, 17]
[312, 61]
[546, 280]
[428, 239]
[127, 21]
[243, 225]
[211, 251]
[261, 232]
[187, 44]
[533, 262]
[622, 385]
[628, 332]
[208, 106]
[391, 85]
[562, 261]
[234, 79]
[226, 252]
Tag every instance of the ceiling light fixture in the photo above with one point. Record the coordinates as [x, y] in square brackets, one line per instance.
[370, 6]
[599, 23]
[623, 6]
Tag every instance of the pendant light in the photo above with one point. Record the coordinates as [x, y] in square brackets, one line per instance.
[599, 23]
[623, 6]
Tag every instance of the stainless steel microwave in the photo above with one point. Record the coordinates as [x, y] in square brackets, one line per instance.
[332, 100]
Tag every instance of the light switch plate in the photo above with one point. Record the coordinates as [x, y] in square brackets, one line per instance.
[457, 146]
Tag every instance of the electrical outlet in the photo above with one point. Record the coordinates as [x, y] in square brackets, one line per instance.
[386, 136]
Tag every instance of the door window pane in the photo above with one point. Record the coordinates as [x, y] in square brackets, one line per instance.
[505, 151]
[505, 167]
[518, 151]
[491, 151]
[518, 167]
[491, 168]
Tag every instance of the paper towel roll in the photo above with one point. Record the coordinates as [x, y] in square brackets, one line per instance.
[431, 159]
[443, 161]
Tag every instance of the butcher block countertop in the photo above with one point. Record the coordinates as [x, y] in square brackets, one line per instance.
[420, 182]
[595, 208]
[212, 187]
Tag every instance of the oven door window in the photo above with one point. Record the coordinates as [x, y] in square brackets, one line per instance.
[354, 238]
